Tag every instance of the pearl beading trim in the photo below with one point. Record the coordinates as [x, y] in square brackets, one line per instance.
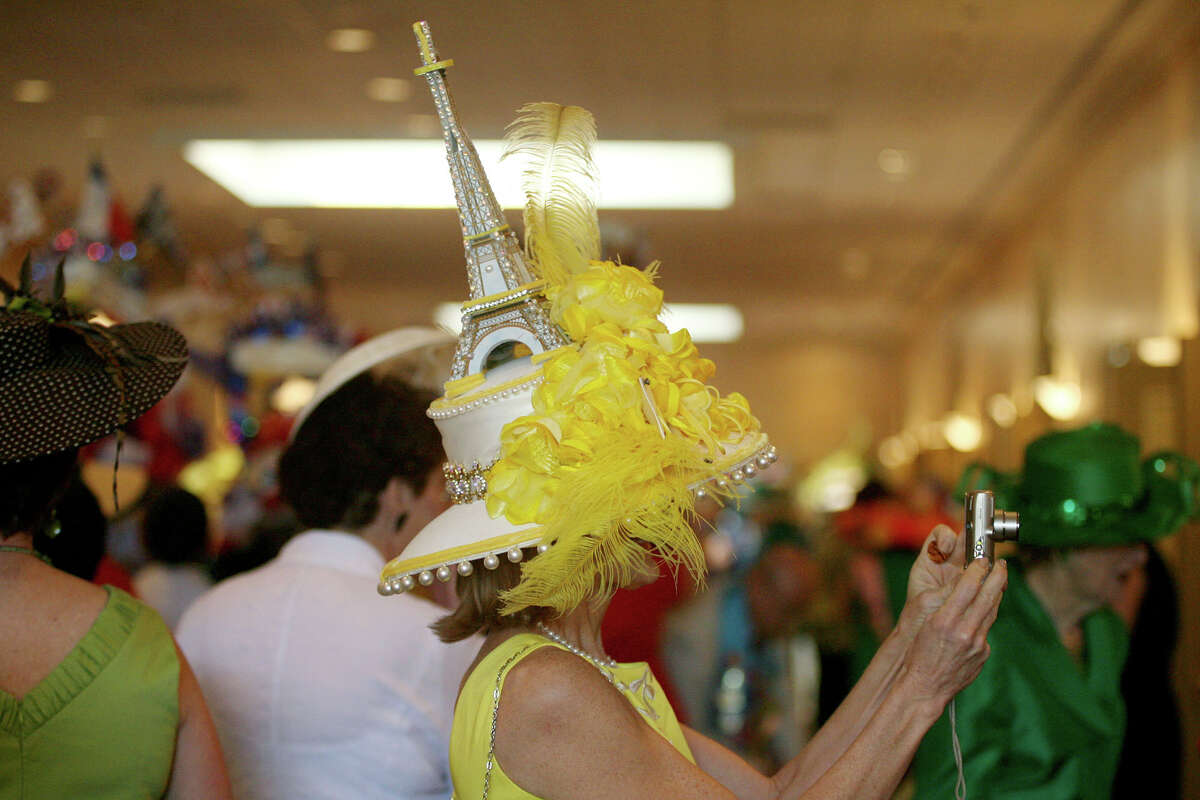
[743, 470]
[509, 298]
[503, 394]
[398, 584]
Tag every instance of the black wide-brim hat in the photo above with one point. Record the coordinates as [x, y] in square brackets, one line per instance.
[65, 383]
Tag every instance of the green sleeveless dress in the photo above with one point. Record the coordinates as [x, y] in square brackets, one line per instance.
[102, 724]
[470, 736]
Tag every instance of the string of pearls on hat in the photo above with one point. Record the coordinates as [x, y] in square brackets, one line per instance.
[503, 394]
[398, 584]
[745, 470]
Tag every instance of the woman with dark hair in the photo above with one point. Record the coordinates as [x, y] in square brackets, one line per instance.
[360, 704]
[175, 535]
[95, 699]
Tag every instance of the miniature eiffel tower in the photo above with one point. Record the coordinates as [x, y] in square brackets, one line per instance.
[507, 304]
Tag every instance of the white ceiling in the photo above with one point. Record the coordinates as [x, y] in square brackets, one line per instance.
[820, 241]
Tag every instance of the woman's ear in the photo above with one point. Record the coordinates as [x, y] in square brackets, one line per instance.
[396, 498]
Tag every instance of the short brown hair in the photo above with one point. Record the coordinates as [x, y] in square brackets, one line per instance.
[369, 431]
[479, 603]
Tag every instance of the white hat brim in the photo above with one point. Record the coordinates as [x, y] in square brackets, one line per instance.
[370, 354]
[463, 532]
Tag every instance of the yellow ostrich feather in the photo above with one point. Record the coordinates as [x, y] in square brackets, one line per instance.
[624, 422]
[562, 233]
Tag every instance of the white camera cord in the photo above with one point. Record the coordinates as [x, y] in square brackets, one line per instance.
[960, 786]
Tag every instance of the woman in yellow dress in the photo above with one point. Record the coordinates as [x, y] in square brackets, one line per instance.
[579, 432]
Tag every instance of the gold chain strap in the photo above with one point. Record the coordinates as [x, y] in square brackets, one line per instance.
[491, 757]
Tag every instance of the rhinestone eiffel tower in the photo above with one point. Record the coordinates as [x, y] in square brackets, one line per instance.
[507, 304]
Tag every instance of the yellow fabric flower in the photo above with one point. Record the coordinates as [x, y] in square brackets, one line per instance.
[590, 464]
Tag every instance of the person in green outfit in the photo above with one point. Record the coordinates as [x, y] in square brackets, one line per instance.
[1045, 719]
[95, 699]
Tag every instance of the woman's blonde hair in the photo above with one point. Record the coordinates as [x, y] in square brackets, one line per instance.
[479, 603]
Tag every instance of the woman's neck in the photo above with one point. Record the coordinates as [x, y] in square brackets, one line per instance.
[581, 628]
[17, 553]
[1052, 587]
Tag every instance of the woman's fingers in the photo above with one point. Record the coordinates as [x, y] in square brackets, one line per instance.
[986, 604]
[947, 541]
[966, 589]
[941, 545]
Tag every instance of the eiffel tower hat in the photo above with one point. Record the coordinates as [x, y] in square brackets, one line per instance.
[574, 422]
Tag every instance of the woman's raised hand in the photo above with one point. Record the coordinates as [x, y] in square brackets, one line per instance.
[938, 567]
[956, 611]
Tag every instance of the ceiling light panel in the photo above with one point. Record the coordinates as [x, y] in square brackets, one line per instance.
[412, 173]
[350, 40]
[32, 91]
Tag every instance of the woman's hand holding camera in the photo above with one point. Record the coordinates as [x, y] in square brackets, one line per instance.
[947, 616]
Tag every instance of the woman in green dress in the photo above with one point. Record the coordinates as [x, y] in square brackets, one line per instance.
[1045, 718]
[95, 699]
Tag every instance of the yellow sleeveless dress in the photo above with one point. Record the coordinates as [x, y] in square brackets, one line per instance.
[470, 736]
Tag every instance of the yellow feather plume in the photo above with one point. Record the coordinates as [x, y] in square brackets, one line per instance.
[562, 233]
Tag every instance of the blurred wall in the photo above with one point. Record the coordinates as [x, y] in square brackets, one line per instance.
[813, 396]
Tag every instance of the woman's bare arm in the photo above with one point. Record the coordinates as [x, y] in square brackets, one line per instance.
[564, 732]
[865, 749]
[199, 770]
[930, 583]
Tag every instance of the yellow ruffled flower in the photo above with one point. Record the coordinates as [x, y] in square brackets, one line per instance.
[591, 440]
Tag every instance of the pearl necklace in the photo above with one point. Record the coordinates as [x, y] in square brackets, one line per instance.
[602, 664]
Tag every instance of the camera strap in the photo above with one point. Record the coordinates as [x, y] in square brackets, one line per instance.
[960, 785]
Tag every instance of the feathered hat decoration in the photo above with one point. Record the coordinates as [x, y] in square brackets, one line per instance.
[599, 446]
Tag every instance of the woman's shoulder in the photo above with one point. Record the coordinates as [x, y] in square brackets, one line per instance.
[536, 677]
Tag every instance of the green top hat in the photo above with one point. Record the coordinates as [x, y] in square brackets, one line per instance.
[1088, 487]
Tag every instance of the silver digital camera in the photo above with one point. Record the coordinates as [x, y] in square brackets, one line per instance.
[986, 525]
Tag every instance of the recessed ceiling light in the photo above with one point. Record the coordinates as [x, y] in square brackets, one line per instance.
[1160, 351]
[1002, 410]
[1058, 397]
[963, 431]
[897, 164]
[32, 91]
[388, 90]
[412, 173]
[350, 40]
